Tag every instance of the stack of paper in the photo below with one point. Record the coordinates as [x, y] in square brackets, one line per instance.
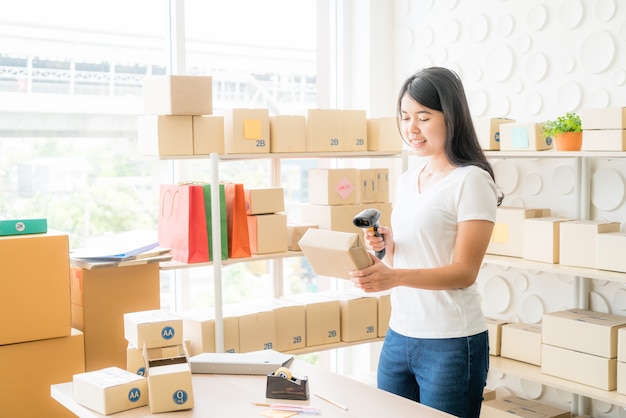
[119, 255]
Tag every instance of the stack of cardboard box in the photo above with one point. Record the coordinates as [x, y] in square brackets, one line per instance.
[604, 129]
[267, 222]
[38, 346]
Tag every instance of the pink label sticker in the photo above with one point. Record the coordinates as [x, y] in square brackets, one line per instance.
[344, 188]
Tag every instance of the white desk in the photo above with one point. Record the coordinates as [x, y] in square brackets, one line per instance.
[222, 396]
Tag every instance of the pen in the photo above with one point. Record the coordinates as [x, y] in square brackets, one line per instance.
[330, 401]
[293, 408]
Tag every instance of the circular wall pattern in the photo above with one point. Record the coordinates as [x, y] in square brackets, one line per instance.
[533, 183]
[605, 10]
[452, 31]
[520, 282]
[597, 303]
[571, 13]
[597, 51]
[599, 97]
[502, 106]
[619, 77]
[500, 62]
[531, 390]
[478, 28]
[516, 86]
[563, 179]
[506, 175]
[425, 36]
[537, 17]
[569, 96]
[533, 103]
[532, 309]
[478, 102]
[536, 67]
[607, 189]
[619, 300]
[402, 8]
[497, 294]
[505, 25]
[405, 40]
[476, 73]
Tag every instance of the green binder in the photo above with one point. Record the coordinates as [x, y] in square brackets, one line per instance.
[23, 226]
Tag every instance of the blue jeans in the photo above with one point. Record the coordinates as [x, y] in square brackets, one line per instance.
[446, 374]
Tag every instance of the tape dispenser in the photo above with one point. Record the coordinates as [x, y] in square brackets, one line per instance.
[282, 385]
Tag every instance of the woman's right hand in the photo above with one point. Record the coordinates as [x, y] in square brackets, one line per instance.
[377, 243]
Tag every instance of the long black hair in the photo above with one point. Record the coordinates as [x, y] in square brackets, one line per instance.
[441, 89]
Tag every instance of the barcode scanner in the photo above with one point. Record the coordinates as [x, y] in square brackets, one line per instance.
[369, 219]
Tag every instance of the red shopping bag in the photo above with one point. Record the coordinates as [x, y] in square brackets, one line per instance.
[182, 222]
[238, 237]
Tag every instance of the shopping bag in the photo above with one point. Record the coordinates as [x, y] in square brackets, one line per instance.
[223, 222]
[182, 222]
[238, 237]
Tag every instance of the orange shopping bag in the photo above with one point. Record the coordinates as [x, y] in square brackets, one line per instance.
[182, 222]
[237, 220]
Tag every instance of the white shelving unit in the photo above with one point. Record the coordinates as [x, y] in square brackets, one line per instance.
[218, 263]
[582, 276]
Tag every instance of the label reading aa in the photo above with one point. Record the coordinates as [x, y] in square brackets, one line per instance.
[167, 333]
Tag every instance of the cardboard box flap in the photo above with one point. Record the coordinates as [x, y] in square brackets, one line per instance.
[334, 253]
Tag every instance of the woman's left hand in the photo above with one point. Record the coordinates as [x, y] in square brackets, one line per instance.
[375, 278]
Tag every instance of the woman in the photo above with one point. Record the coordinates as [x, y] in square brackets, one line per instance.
[436, 350]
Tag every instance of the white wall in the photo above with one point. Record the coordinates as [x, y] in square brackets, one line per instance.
[529, 60]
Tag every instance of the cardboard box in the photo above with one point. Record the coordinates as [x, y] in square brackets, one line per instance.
[372, 185]
[335, 218]
[324, 130]
[383, 135]
[604, 140]
[494, 330]
[521, 342]
[153, 328]
[334, 253]
[268, 233]
[610, 250]
[110, 390]
[169, 383]
[35, 288]
[621, 377]
[488, 132]
[621, 345]
[384, 312]
[23, 226]
[199, 331]
[583, 330]
[295, 233]
[489, 394]
[512, 406]
[289, 321]
[508, 232]
[133, 288]
[28, 369]
[603, 118]
[257, 328]
[578, 241]
[261, 201]
[246, 131]
[359, 317]
[332, 186]
[178, 95]
[323, 319]
[287, 133]
[542, 238]
[208, 134]
[579, 367]
[353, 130]
[165, 135]
[524, 136]
[136, 363]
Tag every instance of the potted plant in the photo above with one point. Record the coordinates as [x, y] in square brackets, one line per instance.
[566, 131]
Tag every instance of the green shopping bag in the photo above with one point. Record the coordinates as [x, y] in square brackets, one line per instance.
[223, 222]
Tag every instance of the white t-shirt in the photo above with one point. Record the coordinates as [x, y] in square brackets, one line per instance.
[424, 229]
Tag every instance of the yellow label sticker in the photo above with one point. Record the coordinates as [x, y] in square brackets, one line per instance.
[500, 233]
[251, 129]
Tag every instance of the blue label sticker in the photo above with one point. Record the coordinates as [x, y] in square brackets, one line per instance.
[497, 136]
[180, 397]
[548, 140]
[520, 137]
[141, 371]
[167, 333]
[134, 395]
